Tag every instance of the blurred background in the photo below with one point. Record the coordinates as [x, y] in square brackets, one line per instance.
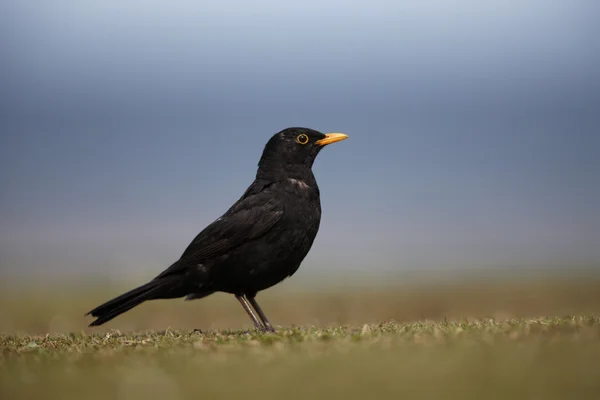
[127, 127]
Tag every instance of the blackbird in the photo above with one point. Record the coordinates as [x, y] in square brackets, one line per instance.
[257, 243]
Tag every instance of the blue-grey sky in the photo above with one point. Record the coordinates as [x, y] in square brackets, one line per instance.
[126, 127]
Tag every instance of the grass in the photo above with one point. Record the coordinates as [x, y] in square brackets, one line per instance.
[475, 342]
[554, 358]
[54, 309]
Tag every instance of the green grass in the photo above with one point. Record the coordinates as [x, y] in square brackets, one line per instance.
[52, 309]
[545, 358]
[477, 340]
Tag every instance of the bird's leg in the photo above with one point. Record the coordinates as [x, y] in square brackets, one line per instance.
[246, 306]
[261, 314]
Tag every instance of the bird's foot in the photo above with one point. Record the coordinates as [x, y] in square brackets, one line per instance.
[265, 329]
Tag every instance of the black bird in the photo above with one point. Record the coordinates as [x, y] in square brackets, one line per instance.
[257, 243]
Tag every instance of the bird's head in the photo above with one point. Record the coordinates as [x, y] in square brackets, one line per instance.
[291, 152]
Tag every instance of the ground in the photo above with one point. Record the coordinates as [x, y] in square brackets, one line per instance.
[504, 355]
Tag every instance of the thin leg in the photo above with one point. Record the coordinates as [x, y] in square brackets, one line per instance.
[261, 314]
[246, 306]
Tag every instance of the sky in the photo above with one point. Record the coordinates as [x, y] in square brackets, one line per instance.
[474, 130]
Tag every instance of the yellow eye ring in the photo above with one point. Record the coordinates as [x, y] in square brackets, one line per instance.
[302, 139]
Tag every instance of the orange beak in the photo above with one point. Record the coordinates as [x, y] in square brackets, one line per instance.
[331, 138]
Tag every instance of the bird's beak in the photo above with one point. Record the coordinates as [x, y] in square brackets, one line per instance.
[331, 138]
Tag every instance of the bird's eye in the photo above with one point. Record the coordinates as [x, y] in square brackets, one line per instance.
[302, 139]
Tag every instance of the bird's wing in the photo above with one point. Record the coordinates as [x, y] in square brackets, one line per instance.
[249, 219]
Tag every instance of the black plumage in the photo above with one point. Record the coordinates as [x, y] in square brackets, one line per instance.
[258, 242]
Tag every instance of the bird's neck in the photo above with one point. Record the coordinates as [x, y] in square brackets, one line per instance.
[281, 173]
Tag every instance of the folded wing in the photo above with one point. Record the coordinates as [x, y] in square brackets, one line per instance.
[249, 219]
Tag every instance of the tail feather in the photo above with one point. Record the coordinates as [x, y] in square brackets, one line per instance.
[127, 301]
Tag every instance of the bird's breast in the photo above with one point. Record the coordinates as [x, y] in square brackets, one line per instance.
[269, 259]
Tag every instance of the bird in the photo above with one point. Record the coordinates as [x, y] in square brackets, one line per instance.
[258, 242]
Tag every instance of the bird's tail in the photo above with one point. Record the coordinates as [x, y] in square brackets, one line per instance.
[112, 308]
